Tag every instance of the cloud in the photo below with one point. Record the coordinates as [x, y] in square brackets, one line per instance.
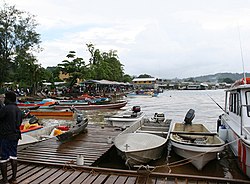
[163, 38]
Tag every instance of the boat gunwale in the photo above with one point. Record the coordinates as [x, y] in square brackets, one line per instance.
[164, 141]
[127, 119]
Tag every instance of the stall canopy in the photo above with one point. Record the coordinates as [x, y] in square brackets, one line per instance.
[105, 82]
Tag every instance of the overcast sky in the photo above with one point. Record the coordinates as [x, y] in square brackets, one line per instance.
[163, 38]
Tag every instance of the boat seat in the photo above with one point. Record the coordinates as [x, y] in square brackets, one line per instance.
[151, 132]
[159, 129]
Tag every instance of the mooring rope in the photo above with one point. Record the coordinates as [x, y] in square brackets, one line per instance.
[68, 164]
[188, 160]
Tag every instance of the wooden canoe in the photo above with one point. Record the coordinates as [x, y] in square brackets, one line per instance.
[67, 113]
[114, 105]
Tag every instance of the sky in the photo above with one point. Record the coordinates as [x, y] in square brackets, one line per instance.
[163, 38]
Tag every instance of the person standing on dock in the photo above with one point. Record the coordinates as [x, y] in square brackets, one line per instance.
[10, 121]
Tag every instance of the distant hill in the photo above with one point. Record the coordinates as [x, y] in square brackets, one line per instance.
[218, 76]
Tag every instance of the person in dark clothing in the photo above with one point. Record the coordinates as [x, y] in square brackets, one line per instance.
[10, 121]
[1, 101]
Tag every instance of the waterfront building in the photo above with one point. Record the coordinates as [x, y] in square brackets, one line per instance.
[145, 83]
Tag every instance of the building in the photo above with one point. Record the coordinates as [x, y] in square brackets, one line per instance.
[145, 83]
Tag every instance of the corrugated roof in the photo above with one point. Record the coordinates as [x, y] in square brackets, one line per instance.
[143, 79]
[106, 82]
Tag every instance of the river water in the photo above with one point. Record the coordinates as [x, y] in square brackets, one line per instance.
[175, 105]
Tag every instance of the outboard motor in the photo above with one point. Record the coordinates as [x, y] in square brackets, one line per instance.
[33, 120]
[136, 109]
[189, 117]
[26, 113]
[79, 118]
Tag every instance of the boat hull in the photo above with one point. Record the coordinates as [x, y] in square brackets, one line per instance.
[139, 148]
[35, 135]
[239, 146]
[125, 120]
[116, 105]
[132, 95]
[77, 129]
[52, 113]
[48, 132]
[206, 154]
[195, 143]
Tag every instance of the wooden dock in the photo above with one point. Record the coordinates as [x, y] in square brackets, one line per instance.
[45, 174]
[54, 162]
[91, 145]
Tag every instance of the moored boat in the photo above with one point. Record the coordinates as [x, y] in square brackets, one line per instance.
[195, 142]
[126, 118]
[143, 94]
[44, 104]
[77, 128]
[143, 141]
[72, 102]
[52, 113]
[62, 131]
[139, 148]
[234, 123]
[110, 105]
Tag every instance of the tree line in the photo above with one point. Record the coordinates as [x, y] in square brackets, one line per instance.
[19, 42]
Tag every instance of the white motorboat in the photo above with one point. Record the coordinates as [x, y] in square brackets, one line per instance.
[195, 142]
[234, 123]
[143, 141]
[126, 118]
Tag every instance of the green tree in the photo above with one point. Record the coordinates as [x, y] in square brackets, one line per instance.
[27, 72]
[145, 76]
[53, 74]
[104, 65]
[127, 78]
[76, 68]
[226, 80]
[17, 36]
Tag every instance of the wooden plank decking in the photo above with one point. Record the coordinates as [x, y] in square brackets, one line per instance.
[45, 174]
[53, 162]
[92, 145]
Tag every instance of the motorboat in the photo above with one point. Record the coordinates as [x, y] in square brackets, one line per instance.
[125, 118]
[143, 141]
[34, 132]
[143, 94]
[158, 118]
[77, 128]
[234, 123]
[194, 142]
